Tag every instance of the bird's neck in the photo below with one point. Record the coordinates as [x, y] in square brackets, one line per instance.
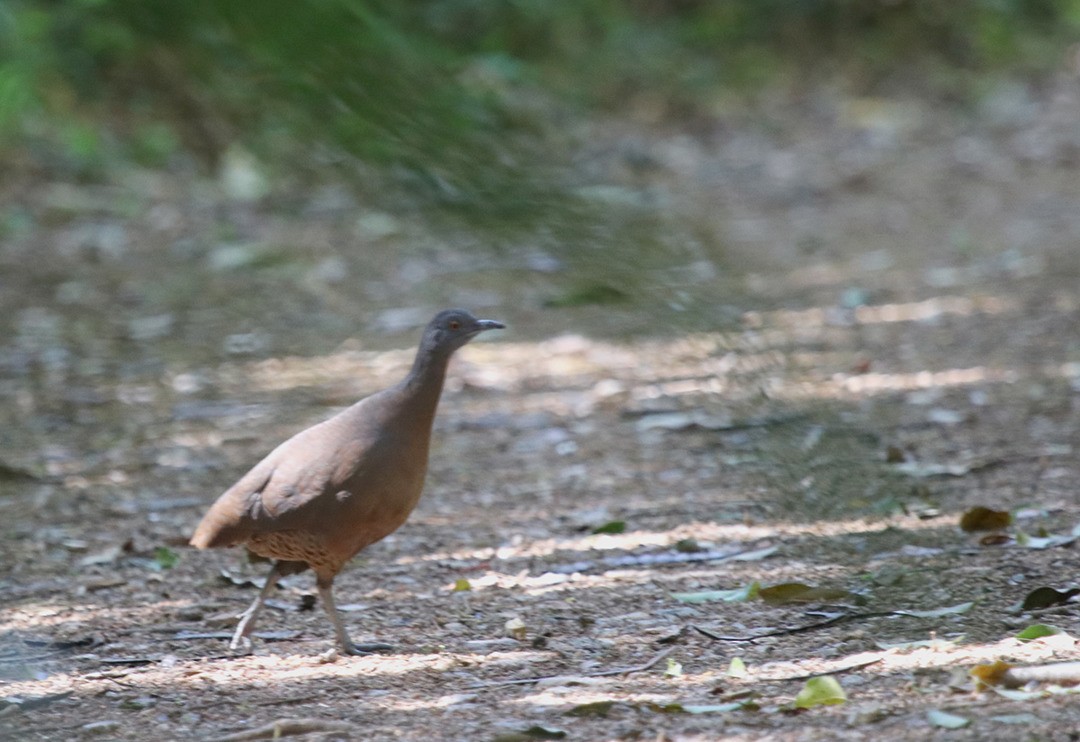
[425, 381]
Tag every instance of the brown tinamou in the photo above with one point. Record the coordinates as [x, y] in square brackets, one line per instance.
[331, 490]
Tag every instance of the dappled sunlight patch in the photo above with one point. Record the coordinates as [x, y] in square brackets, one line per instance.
[31, 616]
[262, 670]
[726, 537]
[574, 696]
[730, 534]
[911, 656]
[872, 383]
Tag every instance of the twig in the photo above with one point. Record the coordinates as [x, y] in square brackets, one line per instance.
[637, 668]
[834, 671]
[598, 674]
[653, 560]
[831, 621]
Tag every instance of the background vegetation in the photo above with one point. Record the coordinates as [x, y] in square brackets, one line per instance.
[425, 92]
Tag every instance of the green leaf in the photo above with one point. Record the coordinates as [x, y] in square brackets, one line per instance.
[946, 720]
[462, 585]
[1038, 631]
[822, 691]
[674, 668]
[737, 668]
[615, 526]
[737, 595]
[165, 557]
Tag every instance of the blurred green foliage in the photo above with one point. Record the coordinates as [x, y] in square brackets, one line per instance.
[434, 89]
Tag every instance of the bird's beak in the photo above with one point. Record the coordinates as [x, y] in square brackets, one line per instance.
[488, 324]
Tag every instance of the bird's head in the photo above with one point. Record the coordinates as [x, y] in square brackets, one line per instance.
[452, 328]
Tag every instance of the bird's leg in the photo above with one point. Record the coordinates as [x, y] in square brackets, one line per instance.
[326, 594]
[240, 639]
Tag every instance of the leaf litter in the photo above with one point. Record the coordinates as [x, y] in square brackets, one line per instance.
[828, 440]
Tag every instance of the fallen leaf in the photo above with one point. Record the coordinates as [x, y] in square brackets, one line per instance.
[596, 709]
[105, 556]
[981, 518]
[674, 668]
[1044, 597]
[1044, 542]
[515, 628]
[753, 556]
[946, 720]
[533, 732]
[1024, 719]
[737, 668]
[612, 527]
[990, 674]
[721, 708]
[821, 691]
[683, 421]
[165, 557]
[461, 585]
[942, 416]
[735, 595]
[1038, 631]
[927, 471]
[951, 610]
[796, 592]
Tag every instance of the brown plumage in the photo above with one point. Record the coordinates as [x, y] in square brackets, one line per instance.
[329, 491]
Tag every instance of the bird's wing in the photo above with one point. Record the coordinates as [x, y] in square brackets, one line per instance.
[288, 489]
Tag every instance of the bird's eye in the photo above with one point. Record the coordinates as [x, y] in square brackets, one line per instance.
[454, 324]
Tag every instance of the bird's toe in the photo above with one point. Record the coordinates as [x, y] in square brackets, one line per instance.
[359, 650]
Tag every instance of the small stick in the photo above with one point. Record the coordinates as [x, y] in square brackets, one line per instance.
[834, 671]
[796, 629]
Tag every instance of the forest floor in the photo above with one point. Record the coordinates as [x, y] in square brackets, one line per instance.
[869, 325]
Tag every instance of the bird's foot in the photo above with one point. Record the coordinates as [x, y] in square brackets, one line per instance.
[241, 644]
[359, 650]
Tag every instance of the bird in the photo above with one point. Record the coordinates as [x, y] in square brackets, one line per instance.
[333, 489]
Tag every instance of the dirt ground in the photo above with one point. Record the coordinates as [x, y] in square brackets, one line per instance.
[879, 333]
